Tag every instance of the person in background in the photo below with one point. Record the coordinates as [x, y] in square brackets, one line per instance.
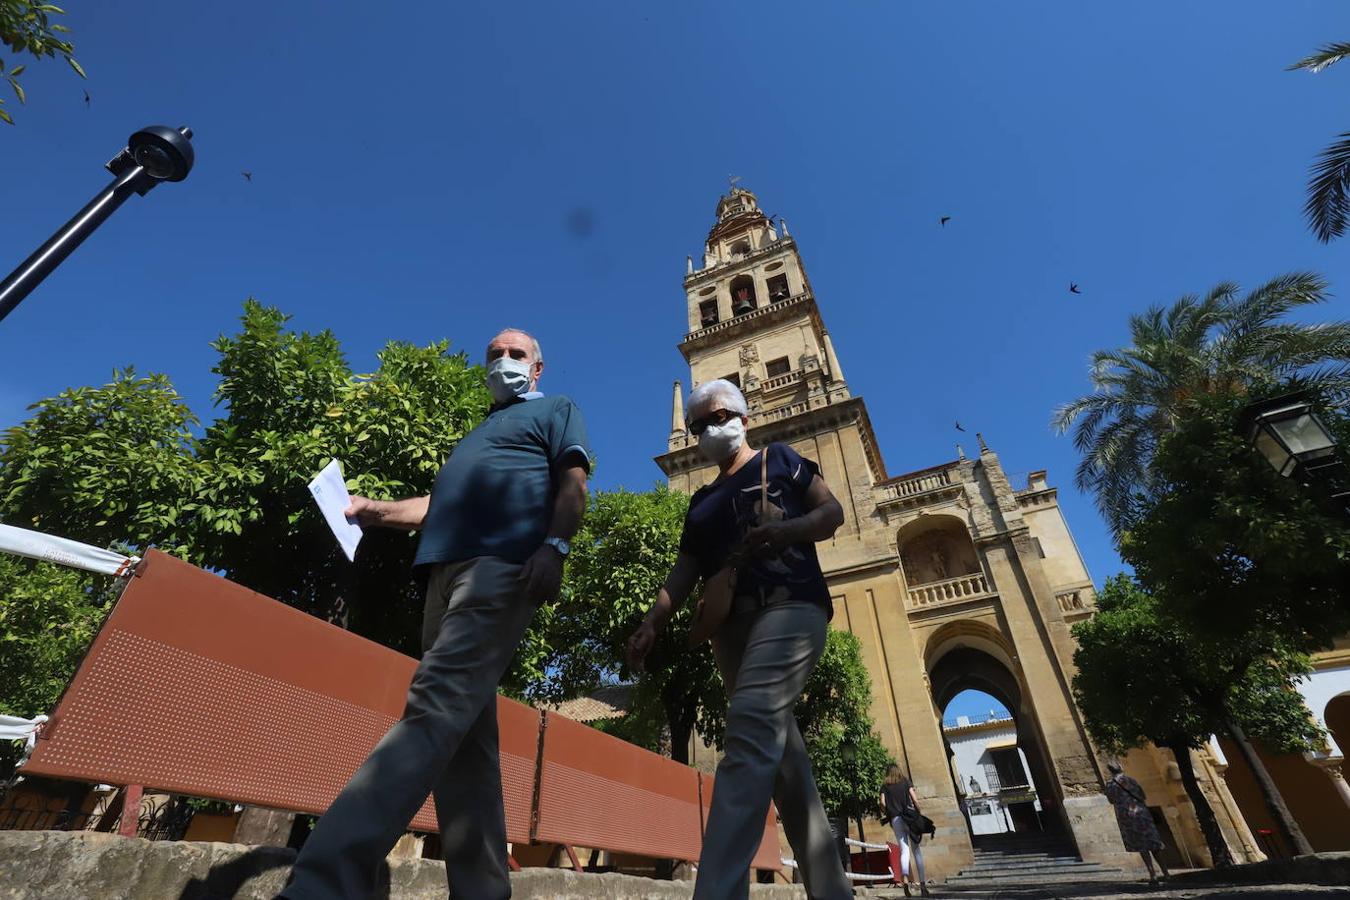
[1136, 822]
[902, 806]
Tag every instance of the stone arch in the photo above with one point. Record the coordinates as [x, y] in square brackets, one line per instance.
[968, 654]
[935, 548]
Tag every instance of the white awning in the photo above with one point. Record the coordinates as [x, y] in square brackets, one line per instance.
[63, 551]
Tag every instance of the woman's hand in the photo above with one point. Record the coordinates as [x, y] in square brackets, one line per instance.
[771, 539]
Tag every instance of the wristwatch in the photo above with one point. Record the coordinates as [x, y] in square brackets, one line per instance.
[560, 545]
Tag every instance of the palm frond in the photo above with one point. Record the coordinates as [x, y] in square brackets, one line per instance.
[1328, 208]
[1324, 57]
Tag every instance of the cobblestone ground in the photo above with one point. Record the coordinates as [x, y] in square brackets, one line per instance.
[1129, 892]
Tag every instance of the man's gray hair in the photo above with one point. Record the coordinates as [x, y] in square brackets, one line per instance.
[538, 352]
[719, 389]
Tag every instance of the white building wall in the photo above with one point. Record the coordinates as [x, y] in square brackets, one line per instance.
[970, 754]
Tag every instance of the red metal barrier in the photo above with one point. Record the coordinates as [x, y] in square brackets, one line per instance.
[198, 686]
[598, 791]
[768, 857]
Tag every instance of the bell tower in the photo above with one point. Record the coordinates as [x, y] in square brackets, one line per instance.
[753, 320]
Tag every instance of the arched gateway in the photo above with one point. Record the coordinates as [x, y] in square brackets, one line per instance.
[949, 576]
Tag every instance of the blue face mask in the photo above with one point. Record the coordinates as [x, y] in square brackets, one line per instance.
[508, 378]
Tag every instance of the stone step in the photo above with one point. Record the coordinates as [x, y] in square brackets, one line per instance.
[961, 882]
[1084, 868]
[1026, 864]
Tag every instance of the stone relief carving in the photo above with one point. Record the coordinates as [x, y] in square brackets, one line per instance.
[749, 355]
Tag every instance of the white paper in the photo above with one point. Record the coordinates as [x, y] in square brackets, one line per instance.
[330, 492]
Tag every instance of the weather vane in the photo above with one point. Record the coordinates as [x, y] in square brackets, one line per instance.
[733, 180]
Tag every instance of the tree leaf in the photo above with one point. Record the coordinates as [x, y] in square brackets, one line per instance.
[79, 70]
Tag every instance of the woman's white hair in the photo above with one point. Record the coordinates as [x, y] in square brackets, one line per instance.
[719, 389]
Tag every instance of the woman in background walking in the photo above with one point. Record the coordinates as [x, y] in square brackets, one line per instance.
[902, 807]
[1136, 822]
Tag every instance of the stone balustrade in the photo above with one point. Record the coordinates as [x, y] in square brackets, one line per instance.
[780, 381]
[1077, 600]
[920, 484]
[963, 587]
[737, 321]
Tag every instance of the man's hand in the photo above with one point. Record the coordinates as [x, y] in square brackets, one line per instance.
[640, 644]
[365, 511]
[770, 539]
[542, 575]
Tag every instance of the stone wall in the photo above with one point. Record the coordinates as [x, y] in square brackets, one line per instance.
[59, 865]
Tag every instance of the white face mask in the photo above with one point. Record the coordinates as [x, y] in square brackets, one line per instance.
[508, 378]
[718, 443]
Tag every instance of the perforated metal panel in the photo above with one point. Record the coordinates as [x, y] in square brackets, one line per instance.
[196, 685]
[598, 791]
[768, 856]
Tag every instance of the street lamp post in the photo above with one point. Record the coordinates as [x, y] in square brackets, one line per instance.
[1287, 432]
[152, 155]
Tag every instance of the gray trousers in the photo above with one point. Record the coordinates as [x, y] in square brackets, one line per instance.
[445, 744]
[765, 657]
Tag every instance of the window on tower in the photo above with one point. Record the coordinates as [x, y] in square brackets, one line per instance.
[739, 249]
[707, 313]
[743, 295]
[776, 367]
[778, 288]
[734, 378]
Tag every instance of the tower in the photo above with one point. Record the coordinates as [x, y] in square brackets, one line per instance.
[949, 576]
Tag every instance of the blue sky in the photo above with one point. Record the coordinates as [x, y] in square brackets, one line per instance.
[418, 173]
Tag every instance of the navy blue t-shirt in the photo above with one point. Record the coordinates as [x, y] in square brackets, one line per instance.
[494, 495]
[722, 512]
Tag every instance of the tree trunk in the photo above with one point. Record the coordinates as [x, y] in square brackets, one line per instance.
[1270, 793]
[1209, 825]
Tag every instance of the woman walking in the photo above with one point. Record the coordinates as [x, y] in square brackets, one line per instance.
[752, 532]
[1136, 822]
[902, 807]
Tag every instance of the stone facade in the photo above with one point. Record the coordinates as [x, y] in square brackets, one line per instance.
[951, 577]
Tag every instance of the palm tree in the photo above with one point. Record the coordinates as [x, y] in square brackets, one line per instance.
[1215, 344]
[1328, 206]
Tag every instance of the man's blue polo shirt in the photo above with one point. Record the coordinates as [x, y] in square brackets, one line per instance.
[494, 495]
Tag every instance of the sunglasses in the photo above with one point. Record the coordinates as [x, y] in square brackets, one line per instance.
[717, 417]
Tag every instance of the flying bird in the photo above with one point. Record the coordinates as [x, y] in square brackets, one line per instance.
[958, 427]
[944, 220]
[86, 99]
[248, 176]
[1073, 288]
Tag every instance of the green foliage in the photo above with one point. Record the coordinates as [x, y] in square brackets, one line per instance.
[1327, 207]
[292, 405]
[834, 715]
[1235, 548]
[26, 27]
[48, 616]
[625, 548]
[1146, 676]
[122, 464]
[1220, 345]
[104, 465]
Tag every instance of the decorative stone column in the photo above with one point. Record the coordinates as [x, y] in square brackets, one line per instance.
[836, 373]
[1331, 765]
[677, 412]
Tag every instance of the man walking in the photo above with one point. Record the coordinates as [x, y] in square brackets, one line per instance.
[494, 537]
